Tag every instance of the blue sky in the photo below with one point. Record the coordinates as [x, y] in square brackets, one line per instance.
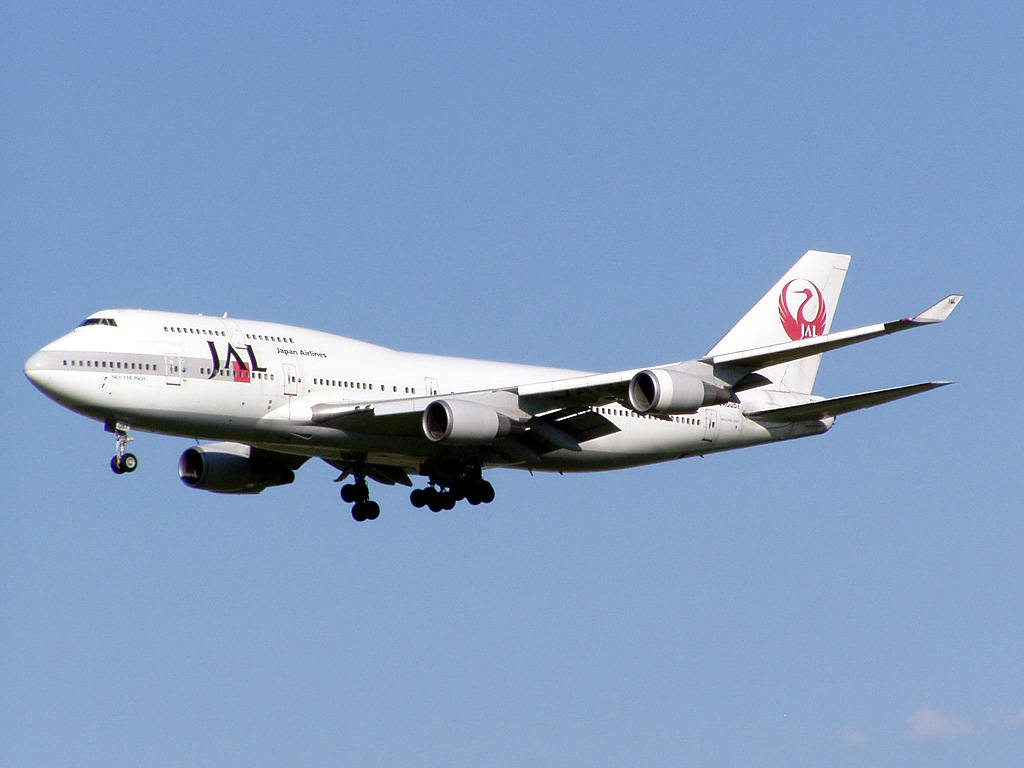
[582, 185]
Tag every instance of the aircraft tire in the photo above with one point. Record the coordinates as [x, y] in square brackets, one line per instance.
[130, 462]
[371, 510]
[486, 492]
[358, 513]
[115, 466]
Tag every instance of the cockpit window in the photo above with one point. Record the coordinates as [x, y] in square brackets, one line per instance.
[98, 321]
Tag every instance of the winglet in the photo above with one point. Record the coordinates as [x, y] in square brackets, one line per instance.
[938, 312]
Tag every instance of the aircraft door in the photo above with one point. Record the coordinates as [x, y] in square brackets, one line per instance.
[235, 335]
[710, 424]
[291, 380]
[431, 385]
[173, 364]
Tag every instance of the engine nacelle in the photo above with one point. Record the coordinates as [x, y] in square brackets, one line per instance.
[463, 422]
[231, 468]
[660, 390]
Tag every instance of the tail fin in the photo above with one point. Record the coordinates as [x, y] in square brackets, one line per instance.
[801, 304]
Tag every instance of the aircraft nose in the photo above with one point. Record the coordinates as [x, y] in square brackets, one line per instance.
[37, 370]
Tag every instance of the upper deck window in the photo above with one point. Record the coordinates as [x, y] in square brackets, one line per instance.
[98, 321]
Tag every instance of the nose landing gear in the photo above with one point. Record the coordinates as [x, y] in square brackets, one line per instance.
[121, 461]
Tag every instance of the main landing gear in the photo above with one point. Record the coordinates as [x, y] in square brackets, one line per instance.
[448, 487]
[450, 483]
[121, 461]
[480, 492]
[358, 495]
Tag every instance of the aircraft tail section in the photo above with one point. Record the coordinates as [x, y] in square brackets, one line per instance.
[800, 305]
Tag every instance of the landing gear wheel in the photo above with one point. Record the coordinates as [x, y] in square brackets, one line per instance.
[434, 500]
[447, 499]
[129, 463]
[418, 498]
[486, 492]
[356, 491]
[479, 492]
[371, 510]
[365, 510]
[115, 466]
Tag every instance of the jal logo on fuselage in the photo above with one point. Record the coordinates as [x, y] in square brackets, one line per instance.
[241, 370]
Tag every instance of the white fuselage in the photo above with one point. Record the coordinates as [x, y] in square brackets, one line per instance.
[257, 382]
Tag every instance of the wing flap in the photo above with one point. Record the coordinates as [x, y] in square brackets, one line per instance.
[565, 430]
[385, 474]
[834, 406]
[587, 425]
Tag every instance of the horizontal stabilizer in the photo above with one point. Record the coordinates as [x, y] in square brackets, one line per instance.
[834, 406]
[755, 359]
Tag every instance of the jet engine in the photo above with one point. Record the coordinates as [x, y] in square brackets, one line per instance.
[235, 468]
[464, 422]
[660, 390]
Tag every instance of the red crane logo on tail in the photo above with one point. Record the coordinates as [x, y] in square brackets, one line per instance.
[809, 318]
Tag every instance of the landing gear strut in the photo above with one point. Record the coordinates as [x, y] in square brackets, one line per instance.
[121, 461]
[358, 495]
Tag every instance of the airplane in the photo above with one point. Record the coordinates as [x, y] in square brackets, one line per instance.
[272, 396]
